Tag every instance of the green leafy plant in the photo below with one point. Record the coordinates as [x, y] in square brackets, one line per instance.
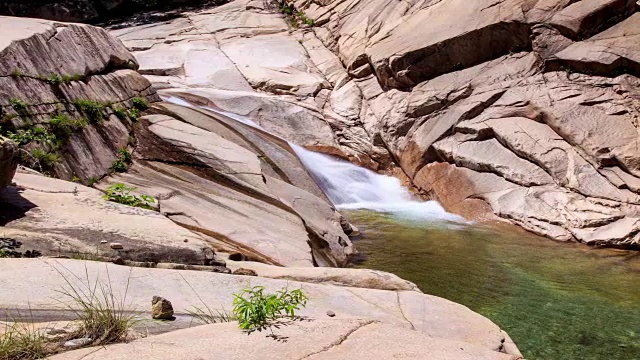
[121, 164]
[44, 158]
[64, 126]
[54, 79]
[92, 180]
[120, 112]
[39, 134]
[121, 194]
[133, 114]
[18, 105]
[92, 109]
[140, 103]
[255, 309]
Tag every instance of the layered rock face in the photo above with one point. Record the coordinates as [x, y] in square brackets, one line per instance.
[228, 187]
[60, 88]
[520, 110]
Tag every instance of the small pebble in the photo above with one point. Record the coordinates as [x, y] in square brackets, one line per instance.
[78, 342]
[331, 313]
[116, 246]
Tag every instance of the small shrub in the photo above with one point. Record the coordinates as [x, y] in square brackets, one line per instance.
[92, 109]
[255, 309]
[64, 126]
[140, 103]
[133, 114]
[44, 158]
[54, 79]
[18, 105]
[38, 134]
[92, 180]
[120, 113]
[21, 341]
[121, 194]
[121, 164]
[4, 254]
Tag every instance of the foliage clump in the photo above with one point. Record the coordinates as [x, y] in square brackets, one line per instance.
[140, 103]
[295, 17]
[18, 105]
[63, 126]
[94, 110]
[255, 309]
[121, 194]
[121, 164]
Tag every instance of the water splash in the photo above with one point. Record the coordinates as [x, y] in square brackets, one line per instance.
[351, 187]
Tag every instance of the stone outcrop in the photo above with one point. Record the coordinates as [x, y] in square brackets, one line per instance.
[409, 314]
[77, 74]
[8, 161]
[524, 111]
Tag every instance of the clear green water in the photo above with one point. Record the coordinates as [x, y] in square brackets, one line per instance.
[556, 300]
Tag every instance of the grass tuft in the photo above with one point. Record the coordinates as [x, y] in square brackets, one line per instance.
[21, 341]
[101, 314]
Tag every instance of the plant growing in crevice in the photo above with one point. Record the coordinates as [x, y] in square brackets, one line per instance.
[92, 109]
[54, 79]
[44, 158]
[121, 164]
[295, 18]
[18, 105]
[121, 194]
[255, 309]
[140, 103]
[17, 73]
[22, 341]
[63, 126]
[120, 112]
[102, 315]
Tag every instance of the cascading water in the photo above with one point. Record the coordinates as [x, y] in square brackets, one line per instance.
[351, 187]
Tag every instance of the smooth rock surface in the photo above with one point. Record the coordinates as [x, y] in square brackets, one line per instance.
[411, 310]
[310, 339]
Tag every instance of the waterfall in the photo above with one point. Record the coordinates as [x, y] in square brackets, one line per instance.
[352, 187]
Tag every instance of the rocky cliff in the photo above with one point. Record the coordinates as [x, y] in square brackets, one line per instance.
[525, 111]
